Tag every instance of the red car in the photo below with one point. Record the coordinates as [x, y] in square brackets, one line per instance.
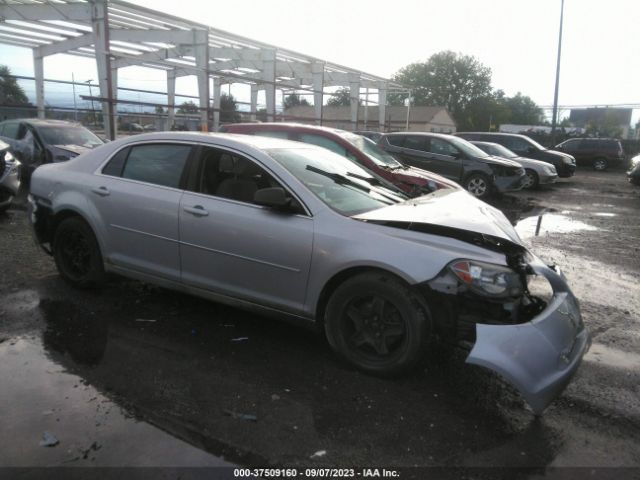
[356, 148]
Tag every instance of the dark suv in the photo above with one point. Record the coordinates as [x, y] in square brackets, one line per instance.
[524, 146]
[598, 153]
[457, 160]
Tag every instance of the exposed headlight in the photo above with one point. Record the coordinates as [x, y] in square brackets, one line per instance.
[8, 157]
[549, 170]
[569, 160]
[635, 160]
[487, 279]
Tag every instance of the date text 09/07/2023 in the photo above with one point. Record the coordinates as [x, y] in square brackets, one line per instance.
[315, 473]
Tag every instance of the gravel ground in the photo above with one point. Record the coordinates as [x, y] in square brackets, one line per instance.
[208, 381]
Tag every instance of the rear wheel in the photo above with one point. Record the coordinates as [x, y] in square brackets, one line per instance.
[478, 185]
[77, 254]
[600, 164]
[377, 323]
[532, 181]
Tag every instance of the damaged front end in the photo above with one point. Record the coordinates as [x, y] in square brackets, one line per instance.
[521, 321]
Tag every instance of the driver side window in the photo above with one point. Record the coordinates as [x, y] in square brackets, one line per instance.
[228, 175]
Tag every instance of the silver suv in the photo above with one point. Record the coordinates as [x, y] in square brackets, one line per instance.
[295, 230]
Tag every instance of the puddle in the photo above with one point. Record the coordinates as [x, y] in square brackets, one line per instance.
[612, 357]
[551, 223]
[90, 428]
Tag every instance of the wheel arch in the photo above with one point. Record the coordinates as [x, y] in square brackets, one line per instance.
[340, 277]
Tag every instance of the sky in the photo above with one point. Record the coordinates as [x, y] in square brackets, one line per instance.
[517, 39]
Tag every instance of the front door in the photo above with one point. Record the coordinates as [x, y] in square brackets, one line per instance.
[230, 245]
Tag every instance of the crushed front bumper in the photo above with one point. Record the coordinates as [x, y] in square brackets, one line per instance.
[541, 356]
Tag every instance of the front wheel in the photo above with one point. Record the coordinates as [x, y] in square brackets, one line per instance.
[377, 323]
[600, 164]
[77, 254]
[478, 185]
[531, 181]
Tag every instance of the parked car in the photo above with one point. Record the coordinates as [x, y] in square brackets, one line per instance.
[356, 148]
[131, 127]
[301, 232]
[599, 153]
[35, 141]
[9, 176]
[537, 172]
[634, 170]
[526, 147]
[375, 136]
[457, 160]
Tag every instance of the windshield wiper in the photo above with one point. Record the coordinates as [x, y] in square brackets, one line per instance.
[340, 179]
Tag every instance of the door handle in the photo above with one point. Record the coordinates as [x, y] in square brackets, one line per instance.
[197, 210]
[102, 191]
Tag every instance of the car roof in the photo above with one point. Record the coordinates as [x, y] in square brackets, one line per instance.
[260, 143]
[289, 126]
[421, 134]
[43, 121]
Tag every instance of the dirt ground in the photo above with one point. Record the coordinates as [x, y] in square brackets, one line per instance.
[134, 375]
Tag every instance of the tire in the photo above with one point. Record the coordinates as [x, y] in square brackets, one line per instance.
[77, 254]
[478, 185]
[378, 324]
[600, 164]
[533, 181]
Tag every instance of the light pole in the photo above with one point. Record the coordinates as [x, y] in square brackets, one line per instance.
[554, 120]
[93, 109]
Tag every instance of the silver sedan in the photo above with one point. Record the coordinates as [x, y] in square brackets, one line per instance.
[537, 172]
[294, 230]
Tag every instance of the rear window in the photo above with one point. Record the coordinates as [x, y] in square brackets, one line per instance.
[160, 164]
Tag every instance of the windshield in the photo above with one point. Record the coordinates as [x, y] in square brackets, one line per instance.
[69, 135]
[339, 183]
[468, 148]
[379, 156]
[497, 149]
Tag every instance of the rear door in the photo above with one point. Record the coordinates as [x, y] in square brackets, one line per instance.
[137, 195]
[415, 152]
[232, 246]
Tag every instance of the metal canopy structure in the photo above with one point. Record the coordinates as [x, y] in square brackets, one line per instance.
[119, 34]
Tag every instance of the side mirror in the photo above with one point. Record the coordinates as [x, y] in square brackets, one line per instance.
[531, 149]
[458, 155]
[273, 197]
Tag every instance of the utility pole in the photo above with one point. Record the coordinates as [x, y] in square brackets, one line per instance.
[75, 108]
[554, 120]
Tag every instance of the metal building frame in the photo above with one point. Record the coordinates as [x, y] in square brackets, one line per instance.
[120, 34]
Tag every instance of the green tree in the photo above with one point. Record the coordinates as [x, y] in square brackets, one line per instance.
[294, 100]
[10, 92]
[523, 110]
[228, 109]
[159, 109]
[448, 79]
[188, 107]
[341, 98]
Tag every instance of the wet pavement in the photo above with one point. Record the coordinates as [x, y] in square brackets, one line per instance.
[138, 375]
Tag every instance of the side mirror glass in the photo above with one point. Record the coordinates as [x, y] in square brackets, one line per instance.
[273, 197]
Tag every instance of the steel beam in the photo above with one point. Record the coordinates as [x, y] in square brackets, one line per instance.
[38, 70]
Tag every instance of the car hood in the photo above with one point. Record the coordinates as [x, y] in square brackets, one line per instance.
[452, 213]
[505, 162]
[556, 153]
[418, 176]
